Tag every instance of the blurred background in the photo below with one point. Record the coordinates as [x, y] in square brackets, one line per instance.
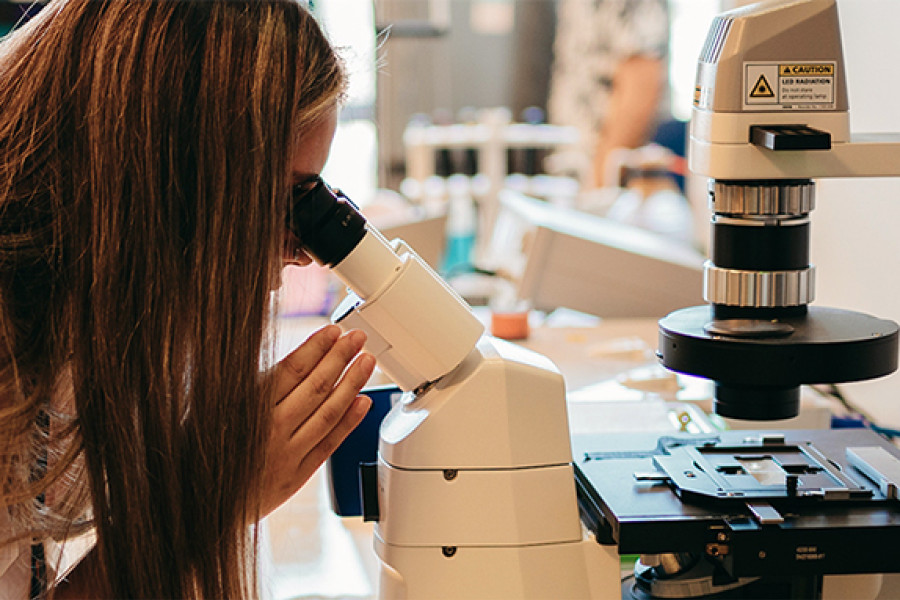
[447, 139]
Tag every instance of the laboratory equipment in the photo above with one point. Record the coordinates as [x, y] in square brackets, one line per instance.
[761, 514]
[770, 114]
[475, 480]
[474, 489]
[745, 515]
[476, 494]
[562, 257]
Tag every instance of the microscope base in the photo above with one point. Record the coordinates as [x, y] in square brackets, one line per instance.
[476, 488]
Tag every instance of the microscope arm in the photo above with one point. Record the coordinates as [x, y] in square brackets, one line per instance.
[418, 328]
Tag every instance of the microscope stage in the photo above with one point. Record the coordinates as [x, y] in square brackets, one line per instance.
[757, 503]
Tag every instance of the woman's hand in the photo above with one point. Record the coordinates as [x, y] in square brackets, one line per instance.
[317, 387]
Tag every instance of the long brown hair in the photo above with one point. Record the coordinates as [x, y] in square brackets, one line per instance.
[144, 157]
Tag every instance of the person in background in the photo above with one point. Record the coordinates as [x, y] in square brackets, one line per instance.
[609, 76]
[148, 150]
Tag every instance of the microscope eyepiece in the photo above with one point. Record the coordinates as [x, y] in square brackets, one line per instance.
[326, 222]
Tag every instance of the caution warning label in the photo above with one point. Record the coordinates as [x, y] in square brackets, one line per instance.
[789, 85]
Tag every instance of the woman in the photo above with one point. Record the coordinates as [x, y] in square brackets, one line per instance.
[147, 152]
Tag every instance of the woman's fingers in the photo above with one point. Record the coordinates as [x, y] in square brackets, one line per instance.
[319, 383]
[297, 365]
[313, 459]
[312, 421]
[318, 421]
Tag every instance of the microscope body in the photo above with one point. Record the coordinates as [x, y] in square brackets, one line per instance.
[475, 484]
[477, 488]
[771, 114]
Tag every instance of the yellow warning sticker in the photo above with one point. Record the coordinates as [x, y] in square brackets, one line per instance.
[789, 85]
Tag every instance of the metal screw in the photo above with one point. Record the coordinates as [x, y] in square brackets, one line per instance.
[448, 551]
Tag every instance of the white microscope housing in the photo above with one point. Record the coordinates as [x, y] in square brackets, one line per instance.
[475, 483]
[779, 63]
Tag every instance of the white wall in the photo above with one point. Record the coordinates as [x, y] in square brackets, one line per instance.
[856, 224]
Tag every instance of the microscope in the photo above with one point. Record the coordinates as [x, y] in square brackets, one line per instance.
[761, 514]
[479, 491]
[474, 490]
[770, 114]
